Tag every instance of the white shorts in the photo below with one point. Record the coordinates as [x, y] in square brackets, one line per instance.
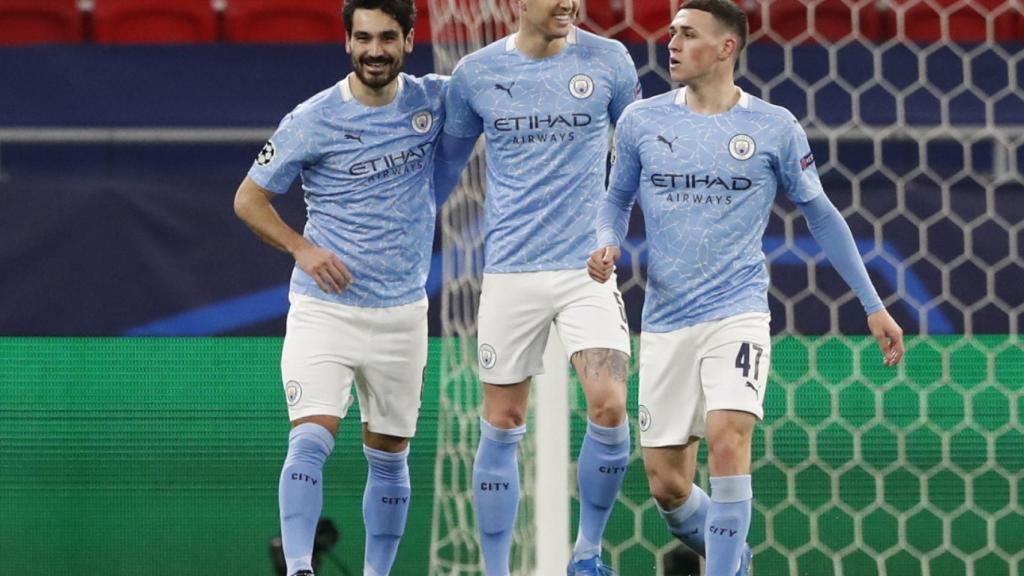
[718, 365]
[328, 346]
[516, 311]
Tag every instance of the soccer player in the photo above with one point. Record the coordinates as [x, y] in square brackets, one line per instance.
[364, 149]
[545, 98]
[706, 162]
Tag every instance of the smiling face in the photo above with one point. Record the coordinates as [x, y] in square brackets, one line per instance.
[377, 46]
[699, 46]
[551, 19]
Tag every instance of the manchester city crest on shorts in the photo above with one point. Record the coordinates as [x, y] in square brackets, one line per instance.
[644, 418]
[422, 121]
[266, 155]
[292, 392]
[581, 86]
[488, 356]
[742, 147]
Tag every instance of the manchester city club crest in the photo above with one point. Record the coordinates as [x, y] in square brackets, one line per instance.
[581, 86]
[488, 356]
[292, 392]
[742, 147]
[422, 121]
[266, 155]
[644, 419]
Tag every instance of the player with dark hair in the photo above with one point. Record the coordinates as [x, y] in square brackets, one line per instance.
[364, 149]
[705, 163]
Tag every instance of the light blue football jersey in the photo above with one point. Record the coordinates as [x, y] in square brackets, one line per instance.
[706, 184]
[547, 126]
[367, 177]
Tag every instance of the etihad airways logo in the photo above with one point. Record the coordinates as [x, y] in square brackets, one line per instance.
[411, 158]
[542, 122]
[701, 181]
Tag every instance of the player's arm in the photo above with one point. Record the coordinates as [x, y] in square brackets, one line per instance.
[462, 127]
[799, 177]
[613, 212]
[453, 154]
[253, 206]
[627, 85]
[834, 236]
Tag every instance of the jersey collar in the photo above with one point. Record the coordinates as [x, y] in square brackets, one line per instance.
[744, 101]
[346, 90]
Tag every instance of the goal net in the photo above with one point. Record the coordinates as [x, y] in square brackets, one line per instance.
[914, 113]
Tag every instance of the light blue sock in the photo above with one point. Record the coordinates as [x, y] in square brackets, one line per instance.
[601, 468]
[687, 521]
[496, 494]
[385, 508]
[728, 523]
[301, 493]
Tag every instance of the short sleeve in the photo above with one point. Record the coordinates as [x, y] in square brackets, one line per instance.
[283, 156]
[797, 174]
[460, 118]
[626, 159]
[627, 85]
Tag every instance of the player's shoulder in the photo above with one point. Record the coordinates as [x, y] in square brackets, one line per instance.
[325, 98]
[430, 86]
[771, 111]
[653, 105]
[496, 49]
[600, 44]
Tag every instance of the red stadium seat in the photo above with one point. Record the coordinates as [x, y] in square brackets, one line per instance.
[284, 21]
[967, 23]
[833, 20]
[154, 21]
[39, 21]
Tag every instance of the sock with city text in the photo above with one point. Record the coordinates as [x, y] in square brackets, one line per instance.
[727, 523]
[385, 508]
[496, 493]
[601, 469]
[687, 521]
[301, 492]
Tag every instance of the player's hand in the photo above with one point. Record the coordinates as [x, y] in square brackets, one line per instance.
[601, 263]
[330, 274]
[889, 336]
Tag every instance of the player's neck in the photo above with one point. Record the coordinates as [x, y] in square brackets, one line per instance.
[712, 97]
[534, 44]
[374, 97]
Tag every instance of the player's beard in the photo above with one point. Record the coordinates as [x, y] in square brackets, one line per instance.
[392, 66]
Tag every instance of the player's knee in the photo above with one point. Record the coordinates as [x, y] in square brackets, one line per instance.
[727, 447]
[668, 490]
[608, 410]
[505, 417]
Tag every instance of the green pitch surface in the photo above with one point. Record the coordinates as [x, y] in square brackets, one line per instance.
[161, 457]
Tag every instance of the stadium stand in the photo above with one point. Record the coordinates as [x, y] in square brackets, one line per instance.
[283, 21]
[154, 21]
[39, 22]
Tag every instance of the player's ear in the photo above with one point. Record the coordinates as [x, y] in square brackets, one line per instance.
[409, 41]
[348, 43]
[728, 47]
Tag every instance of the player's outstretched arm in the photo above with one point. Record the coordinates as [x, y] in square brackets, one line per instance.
[601, 263]
[253, 206]
[833, 235]
[453, 154]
